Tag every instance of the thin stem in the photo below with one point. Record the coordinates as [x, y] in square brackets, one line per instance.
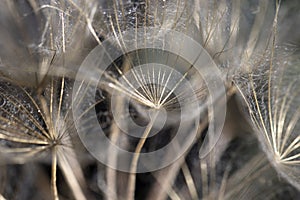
[133, 168]
[54, 170]
[189, 181]
[111, 174]
[68, 168]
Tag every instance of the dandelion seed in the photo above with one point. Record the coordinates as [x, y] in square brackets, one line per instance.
[43, 130]
[273, 103]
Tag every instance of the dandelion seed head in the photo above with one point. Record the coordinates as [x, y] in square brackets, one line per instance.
[45, 43]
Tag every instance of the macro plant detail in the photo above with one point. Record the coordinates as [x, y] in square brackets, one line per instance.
[140, 99]
[272, 96]
[157, 80]
[36, 124]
